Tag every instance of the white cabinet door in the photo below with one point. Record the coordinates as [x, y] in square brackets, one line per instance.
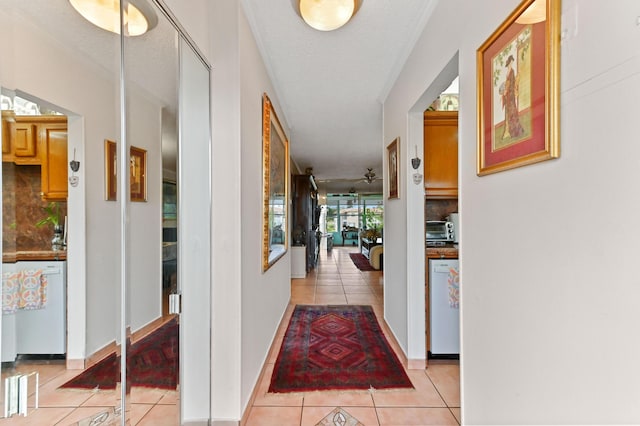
[44, 331]
[444, 314]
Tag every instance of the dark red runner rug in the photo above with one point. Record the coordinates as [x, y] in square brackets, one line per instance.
[361, 262]
[336, 348]
[153, 363]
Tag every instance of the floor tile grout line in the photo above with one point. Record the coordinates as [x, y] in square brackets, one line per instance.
[62, 419]
[373, 287]
[437, 390]
[454, 416]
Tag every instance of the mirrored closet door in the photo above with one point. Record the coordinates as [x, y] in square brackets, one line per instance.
[94, 234]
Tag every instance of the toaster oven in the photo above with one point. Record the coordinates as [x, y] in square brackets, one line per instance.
[439, 232]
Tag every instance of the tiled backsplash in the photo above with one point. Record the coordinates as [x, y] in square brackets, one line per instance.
[439, 209]
[22, 208]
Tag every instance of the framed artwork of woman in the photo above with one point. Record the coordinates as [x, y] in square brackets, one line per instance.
[518, 89]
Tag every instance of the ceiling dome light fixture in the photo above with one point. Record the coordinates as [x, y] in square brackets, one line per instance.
[139, 17]
[327, 15]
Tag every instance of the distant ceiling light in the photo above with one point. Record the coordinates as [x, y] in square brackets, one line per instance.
[139, 17]
[327, 15]
[536, 12]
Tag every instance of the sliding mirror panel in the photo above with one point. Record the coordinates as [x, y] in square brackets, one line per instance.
[60, 78]
[106, 210]
[194, 235]
[151, 67]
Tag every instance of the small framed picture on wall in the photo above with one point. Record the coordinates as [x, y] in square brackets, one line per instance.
[138, 173]
[110, 167]
[394, 166]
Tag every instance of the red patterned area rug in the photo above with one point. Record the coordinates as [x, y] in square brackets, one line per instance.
[361, 262]
[153, 363]
[336, 348]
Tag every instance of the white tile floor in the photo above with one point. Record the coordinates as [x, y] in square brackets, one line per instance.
[434, 401]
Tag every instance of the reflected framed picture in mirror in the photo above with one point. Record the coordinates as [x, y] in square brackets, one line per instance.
[275, 172]
[110, 167]
[138, 173]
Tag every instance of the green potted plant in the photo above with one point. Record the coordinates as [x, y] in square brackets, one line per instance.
[53, 217]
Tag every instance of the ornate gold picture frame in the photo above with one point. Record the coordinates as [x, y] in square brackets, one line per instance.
[110, 167]
[393, 158]
[275, 176]
[138, 173]
[518, 89]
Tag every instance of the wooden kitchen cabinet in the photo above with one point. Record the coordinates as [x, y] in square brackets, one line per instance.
[53, 152]
[8, 134]
[38, 140]
[25, 142]
[441, 154]
[20, 139]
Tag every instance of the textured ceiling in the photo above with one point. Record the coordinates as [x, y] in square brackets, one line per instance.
[331, 85]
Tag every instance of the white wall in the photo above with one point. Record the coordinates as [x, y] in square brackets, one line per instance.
[264, 295]
[395, 258]
[419, 83]
[226, 241]
[549, 302]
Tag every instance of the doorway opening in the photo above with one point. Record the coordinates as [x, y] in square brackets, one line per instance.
[437, 201]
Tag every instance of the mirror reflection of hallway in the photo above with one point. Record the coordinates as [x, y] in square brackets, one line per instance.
[34, 255]
[104, 305]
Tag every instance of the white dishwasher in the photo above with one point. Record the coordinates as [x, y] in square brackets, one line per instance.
[444, 312]
[39, 331]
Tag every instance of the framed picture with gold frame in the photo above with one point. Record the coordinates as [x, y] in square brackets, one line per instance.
[518, 89]
[110, 168]
[393, 157]
[275, 174]
[138, 173]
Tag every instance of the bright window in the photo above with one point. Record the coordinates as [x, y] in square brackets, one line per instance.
[354, 211]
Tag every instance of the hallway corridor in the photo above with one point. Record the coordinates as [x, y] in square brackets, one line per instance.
[336, 280]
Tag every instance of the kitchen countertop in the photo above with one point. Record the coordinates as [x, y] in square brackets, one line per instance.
[448, 251]
[33, 255]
